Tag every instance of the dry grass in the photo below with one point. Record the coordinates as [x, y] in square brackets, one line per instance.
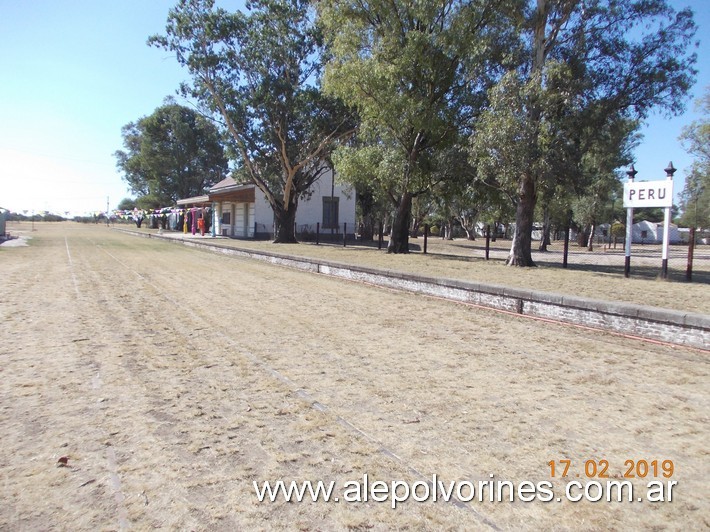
[172, 379]
[598, 275]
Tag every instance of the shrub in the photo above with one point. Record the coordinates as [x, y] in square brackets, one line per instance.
[618, 230]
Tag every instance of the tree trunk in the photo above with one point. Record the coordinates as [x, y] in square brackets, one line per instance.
[520, 251]
[414, 231]
[449, 229]
[469, 225]
[417, 215]
[399, 235]
[367, 228]
[366, 203]
[590, 240]
[285, 220]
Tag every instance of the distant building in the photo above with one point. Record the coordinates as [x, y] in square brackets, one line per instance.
[643, 232]
[242, 211]
[646, 232]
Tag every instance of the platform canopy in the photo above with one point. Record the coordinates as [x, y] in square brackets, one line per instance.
[228, 190]
[195, 201]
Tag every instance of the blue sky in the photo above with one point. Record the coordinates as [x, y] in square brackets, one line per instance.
[74, 72]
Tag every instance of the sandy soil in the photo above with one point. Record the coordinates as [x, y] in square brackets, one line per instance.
[171, 379]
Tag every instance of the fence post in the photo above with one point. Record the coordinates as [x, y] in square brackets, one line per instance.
[488, 241]
[691, 250]
[317, 233]
[345, 233]
[381, 236]
[426, 236]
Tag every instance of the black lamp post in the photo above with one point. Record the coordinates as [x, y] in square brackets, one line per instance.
[670, 170]
[631, 172]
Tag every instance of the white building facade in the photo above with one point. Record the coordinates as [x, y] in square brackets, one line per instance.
[242, 211]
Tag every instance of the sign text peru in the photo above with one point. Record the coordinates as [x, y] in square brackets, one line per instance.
[648, 194]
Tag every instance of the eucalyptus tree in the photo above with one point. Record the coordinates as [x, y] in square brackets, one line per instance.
[695, 199]
[126, 204]
[459, 196]
[259, 73]
[417, 73]
[170, 154]
[586, 63]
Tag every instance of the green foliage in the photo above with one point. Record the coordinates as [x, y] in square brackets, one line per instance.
[171, 154]
[416, 72]
[149, 201]
[42, 217]
[259, 73]
[589, 73]
[649, 214]
[504, 143]
[695, 199]
[618, 230]
[457, 195]
[127, 204]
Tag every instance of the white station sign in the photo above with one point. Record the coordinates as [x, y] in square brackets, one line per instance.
[648, 194]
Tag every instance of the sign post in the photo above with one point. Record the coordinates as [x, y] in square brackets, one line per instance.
[648, 194]
[629, 225]
[667, 224]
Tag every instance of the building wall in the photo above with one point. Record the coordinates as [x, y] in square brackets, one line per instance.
[244, 216]
[239, 220]
[227, 228]
[263, 215]
[310, 209]
[654, 233]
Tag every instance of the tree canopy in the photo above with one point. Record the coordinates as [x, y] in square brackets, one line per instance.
[417, 73]
[259, 72]
[173, 153]
[476, 101]
[126, 204]
[588, 70]
[696, 193]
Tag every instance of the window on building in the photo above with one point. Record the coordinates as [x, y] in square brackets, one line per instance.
[330, 212]
[227, 218]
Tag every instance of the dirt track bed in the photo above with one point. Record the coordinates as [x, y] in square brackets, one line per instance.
[171, 379]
